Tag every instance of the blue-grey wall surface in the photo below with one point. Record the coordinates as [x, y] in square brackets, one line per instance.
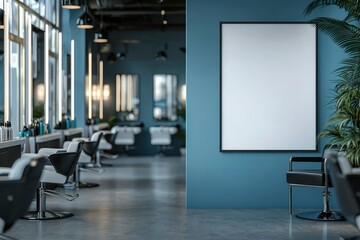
[69, 32]
[242, 179]
[140, 50]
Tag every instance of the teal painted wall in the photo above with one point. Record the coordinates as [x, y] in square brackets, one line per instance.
[70, 31]
[241, 179]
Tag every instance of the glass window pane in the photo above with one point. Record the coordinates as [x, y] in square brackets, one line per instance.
[14, 19]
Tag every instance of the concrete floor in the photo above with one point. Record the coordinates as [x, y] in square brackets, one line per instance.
[144, 198]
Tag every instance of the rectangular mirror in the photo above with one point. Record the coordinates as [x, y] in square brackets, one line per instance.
[127, 97]
[38, 73]
[164, 97]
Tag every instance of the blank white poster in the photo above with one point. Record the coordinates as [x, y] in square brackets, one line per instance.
[268, 86]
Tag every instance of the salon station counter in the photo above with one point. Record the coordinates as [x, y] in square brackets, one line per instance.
[51, 140]
[69, 134]
[10, 151]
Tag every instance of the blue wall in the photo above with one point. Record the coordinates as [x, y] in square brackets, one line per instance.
[140, 61]
[241, 179]
[70, 31]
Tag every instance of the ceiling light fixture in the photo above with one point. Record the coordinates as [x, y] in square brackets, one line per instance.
[85, 21]
[101, 37]
[71, 4]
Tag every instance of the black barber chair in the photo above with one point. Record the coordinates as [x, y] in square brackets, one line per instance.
[347, 189]
[17, 190]
[317, 177]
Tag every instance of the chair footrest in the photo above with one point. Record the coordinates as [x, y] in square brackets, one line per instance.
[321, 216]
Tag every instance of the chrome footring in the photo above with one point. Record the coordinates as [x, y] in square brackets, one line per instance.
[46, 215]
[321, 216]
[87, 185]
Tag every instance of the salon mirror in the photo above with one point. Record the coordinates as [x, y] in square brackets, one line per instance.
[1, 73]
[127, 97]
[164, 97]
[38, 73]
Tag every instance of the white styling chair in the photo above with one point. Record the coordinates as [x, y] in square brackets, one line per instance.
[62, 166]
[161, 136]
[89, 150]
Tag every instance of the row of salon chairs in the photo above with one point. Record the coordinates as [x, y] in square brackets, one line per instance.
[31, 173]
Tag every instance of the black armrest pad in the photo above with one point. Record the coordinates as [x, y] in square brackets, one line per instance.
[307, 159]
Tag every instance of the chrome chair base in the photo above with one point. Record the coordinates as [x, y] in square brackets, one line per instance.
[4, 237]
[321, 216]
[349, 238]
[87, 185]
[46, 215]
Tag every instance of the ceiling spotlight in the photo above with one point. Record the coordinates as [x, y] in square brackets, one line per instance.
[101, 37]
[162, 12]
[84, 21]
[165, 22]
[71, 4]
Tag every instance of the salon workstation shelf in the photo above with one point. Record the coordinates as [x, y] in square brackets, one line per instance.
[69, 134]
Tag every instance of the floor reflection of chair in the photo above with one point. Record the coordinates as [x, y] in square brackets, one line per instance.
[161, 137]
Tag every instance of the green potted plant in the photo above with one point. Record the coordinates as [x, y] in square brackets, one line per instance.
[343, 128]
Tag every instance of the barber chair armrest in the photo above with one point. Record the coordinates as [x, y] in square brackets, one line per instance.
[4, 171]
[306, 159]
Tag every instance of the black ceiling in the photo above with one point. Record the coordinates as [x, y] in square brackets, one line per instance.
[137, 14]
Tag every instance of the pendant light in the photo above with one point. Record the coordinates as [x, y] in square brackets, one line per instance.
[71, 4]
[162, 54]
[85, 21]
[101, 36]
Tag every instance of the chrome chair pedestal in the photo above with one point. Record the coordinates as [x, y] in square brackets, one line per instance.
[321, 216]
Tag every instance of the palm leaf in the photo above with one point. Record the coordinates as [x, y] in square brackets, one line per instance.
[350, 6]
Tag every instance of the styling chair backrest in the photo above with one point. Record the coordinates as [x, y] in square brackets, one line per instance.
[17, 192]
[65, 162]
[91, 147]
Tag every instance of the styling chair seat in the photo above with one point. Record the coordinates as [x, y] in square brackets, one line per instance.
[317, 178]
[17, 190]
[63, 165]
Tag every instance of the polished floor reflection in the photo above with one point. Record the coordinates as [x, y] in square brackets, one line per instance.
[144, 198]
